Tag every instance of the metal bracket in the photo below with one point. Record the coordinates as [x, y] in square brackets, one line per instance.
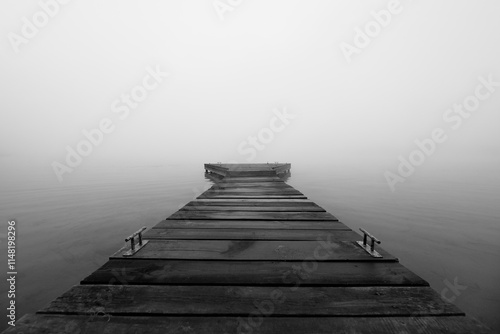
[133, 248]
[369, 249]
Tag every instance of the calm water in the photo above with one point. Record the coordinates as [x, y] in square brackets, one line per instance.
[445, 227]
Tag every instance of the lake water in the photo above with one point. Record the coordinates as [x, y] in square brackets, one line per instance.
[445, 227]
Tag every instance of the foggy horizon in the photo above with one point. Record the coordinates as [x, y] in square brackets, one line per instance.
[225, 78]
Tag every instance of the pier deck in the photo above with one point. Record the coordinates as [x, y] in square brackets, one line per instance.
[250, 255]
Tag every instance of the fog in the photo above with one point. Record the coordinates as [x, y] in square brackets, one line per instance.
[387, 110]
[233, 67]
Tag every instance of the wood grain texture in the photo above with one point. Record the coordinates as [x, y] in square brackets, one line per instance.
[247, 234]
[281, 250]
[250, 196]
[251, 179]
[251, 173]
[263, 324]
[253, 202]
[248, 166]
[252, 224]
[242, 300]
[253, 208]
[253, 273]
[256, 190]
[231, 185]
[242, 215]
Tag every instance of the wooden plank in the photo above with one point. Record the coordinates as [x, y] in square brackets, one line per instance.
[216, 168]
[249, 167]
[251, 182]
[241, 300]
[255, 189]
[254, 208]
[259, 166]
[248, 186]
[252, 191]
[252, 179]
[253, 185]
[269, 250]
[253, 273]
[258, 324]
[255, 224]
[239, 166]
[242, 215]
[246, 234]
[252, 196]
[251, 173]
[250, 202]
[276, 185]
[283, 202]
[264, 194]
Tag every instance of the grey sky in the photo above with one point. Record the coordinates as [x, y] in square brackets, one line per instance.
[227, 76]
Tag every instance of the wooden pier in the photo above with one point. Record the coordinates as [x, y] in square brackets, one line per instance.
[250, 255]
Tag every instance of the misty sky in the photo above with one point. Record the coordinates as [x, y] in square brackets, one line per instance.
[227, 76]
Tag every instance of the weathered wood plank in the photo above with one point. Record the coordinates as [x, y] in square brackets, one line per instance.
[257, 192]
[253, 273]
[254, 170]
[251, 179]
[273, 185]
[252, 196]
[289, 190]
[241, 300]
[250, 165]
[279, 188]
[258, 324]
[267, 208]
[247, 234]
[253, 202]
[281, 250]
[251, 173]
[251, 182]
[256, 202]
[242, 215]
[252, 224]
